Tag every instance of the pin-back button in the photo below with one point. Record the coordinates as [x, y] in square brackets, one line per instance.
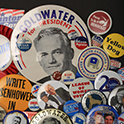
[121, 73]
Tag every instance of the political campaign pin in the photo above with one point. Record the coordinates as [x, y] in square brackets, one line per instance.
[33, 105]
[113, 44]
[2, 114]
[92, 61]
[106, 81]
[116, 99]
[97, 40]
[6, 63]
[121, 118]
[102, 114]
[2, 74]
[72, 34]
[51, 50]
[93, 98]
[78, 87]
[57, 75]
[67, 77]
[15, 117]
[51, 116]
[121, 73]
[15, 92]
[115, 63]
[79, 118]
[81, 42]
[71, 108]
[99, 22]
[53, 94]
[34, 89]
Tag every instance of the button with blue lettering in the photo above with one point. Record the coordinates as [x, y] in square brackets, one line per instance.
[113, 44]
[15, 117]
[106, 81]
[93, 98]
[71, 107]
[102, 114]
[79, 118]
[43, 42]
[92, 61]
[121, 73]
[121, 118]
[78, 87]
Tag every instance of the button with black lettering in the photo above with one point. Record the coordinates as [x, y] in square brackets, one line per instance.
[16, 92]
[113, 44]
[93, 98]
[121, 118]
[78, 87]
[102, 114]
[50, 116]
[116, 99]
[15, 117]
[121, 73]
[107, 81]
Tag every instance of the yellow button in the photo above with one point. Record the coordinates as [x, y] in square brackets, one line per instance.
[113, 44]
[15, 92]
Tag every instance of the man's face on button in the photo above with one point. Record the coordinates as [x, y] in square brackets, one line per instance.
[53, 54]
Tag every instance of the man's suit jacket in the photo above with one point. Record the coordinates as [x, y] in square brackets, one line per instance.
[43, 80]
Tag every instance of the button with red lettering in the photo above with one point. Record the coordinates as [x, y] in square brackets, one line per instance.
[99, 22]
[115, 63]
[72, 34]
[68, 77]
[106, 81]
[113, 44]
[16, 92]
[33, 105]
[15, 117]
[51, 116]
[121, 73]
[78, 87]
[93, 98]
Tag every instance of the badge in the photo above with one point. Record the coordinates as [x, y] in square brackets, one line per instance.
[6, 63]
[121, 73]
[68, 77]
[92, 98]
[116, 99]
[50, 24]
[78, 87]
[106, 81]
[121, 118]
[34, 90]
[15, 92]
[15, 117]
[73, 34]
[57, 75]
[71, 108]
[97, 40]
[53, 94]
[99, 22]
[113, 44]
[51, 116]
[92, 61]
[102, 114]
[79, 118]
[115, 64]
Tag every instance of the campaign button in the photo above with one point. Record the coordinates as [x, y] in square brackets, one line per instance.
[92, 61]
[50, 116]
[2, 114]
[92, 98]
[106, 81]
[99, 22]
[15, 117]
[78, 87]
[57, 75]
[116, 99]
[113, 44]
[71, 107]
[34, 90]
[102, 114]
[81, 42]
[15, 92]
[72, 34]
[121, 73]
[67, 77]
[97, 40]
[33, 105]
[115, 63]
[121, 118]
[79, 118]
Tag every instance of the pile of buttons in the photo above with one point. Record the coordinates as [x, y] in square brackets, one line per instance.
[52, 71]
